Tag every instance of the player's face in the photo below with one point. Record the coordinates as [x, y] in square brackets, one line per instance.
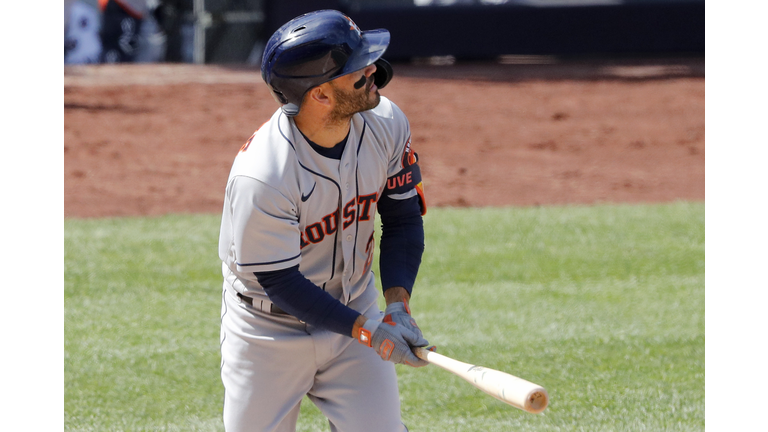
[354, 93]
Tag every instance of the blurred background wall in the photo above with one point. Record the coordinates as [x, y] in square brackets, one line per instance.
[234, 31]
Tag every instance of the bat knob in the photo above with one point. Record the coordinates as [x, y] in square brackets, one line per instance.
[537, 401]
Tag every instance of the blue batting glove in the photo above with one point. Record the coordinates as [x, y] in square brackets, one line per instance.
[392, 342]
[400, 313]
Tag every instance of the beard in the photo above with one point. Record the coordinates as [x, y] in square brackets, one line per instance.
[353, 102]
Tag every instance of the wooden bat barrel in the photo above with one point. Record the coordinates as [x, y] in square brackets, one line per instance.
[507, 388]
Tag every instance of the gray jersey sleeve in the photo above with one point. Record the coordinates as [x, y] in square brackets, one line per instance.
[262, 226]
[402, 141]
[403, 174]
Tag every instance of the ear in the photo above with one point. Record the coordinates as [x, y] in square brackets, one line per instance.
[321, 95]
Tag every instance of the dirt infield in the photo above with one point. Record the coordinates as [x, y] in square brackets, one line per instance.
[157, 139]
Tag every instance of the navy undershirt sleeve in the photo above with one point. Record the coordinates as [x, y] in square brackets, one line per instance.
[402, 242]
[292, 292]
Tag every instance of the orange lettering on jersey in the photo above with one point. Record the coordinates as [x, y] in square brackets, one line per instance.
[366, 201]
[315, 233]
[248, 143]
[400, 181]
[349, 213]
[330, 222]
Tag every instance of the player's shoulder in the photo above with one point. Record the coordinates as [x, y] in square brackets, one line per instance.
[268, 155]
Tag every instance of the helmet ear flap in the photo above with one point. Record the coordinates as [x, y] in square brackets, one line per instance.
[279, 97]
[383, 73]
[290, 109]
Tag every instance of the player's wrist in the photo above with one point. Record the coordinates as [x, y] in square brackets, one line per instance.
[357, 325]
[398, 307]
[365, 332]
[396, 295]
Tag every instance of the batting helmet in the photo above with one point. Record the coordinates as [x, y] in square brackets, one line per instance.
[315, 48]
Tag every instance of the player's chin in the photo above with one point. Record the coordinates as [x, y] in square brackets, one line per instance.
[374, 100]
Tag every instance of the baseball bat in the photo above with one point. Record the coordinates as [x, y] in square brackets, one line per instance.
[515, 391]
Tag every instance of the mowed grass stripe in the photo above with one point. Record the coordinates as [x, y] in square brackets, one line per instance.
[602, 305]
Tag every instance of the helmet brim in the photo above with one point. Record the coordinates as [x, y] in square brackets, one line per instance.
[372, 47]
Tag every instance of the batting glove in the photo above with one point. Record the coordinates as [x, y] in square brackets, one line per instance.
[400, 313]
[392, 342]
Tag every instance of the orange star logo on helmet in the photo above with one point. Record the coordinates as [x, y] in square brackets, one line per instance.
[352, 25]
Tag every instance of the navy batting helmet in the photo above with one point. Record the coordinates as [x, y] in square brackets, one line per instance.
[315, 48]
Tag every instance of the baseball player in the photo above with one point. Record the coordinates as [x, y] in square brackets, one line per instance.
[299, 304]
[121, 23]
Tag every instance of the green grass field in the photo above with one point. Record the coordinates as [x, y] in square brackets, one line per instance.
[602, 305]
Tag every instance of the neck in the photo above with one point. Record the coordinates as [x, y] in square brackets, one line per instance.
[320, 130]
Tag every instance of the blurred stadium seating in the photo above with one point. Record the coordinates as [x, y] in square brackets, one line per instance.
[233, 31]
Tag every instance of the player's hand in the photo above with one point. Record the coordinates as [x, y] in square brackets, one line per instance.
[392, 342]
[400, 313]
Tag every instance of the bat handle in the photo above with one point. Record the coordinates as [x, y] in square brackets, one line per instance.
[422, 353]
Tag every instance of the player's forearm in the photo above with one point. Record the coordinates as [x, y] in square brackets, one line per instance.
[292, 292]
[402, 242]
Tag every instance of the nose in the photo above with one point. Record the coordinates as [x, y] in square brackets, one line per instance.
[369, 70]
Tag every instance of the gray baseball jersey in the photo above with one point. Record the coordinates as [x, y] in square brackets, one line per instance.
[285, 205]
